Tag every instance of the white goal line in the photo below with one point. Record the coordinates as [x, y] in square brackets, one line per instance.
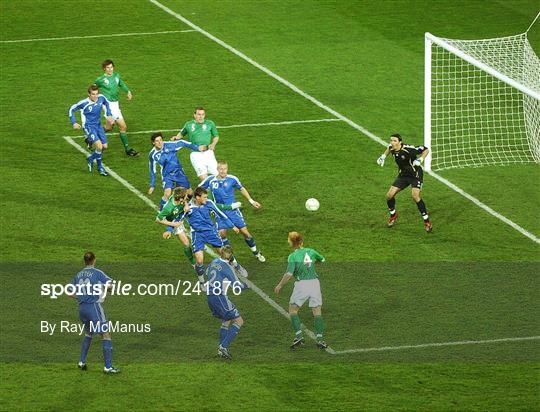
[149, 202]
[340, 116]
[232, 126]
[440, 344]
[96, 36]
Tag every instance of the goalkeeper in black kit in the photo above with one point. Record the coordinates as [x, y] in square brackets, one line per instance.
[409, 160]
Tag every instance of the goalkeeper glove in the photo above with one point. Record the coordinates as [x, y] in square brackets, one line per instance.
[380, 160]
[236, 205]
[418, 162]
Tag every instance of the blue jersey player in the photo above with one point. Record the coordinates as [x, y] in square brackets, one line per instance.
[222, 280]
[223, 187]
[172, 172]
[198, 212]
[96, 139]
[91, 283]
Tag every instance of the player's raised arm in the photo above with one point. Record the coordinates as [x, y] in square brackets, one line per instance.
[179, 144]
[380, 160]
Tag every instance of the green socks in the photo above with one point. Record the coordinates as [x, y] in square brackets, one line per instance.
[296, 324]
[189, 254]
[124, 139]
[319, 328]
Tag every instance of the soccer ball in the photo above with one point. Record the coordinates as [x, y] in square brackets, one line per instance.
[312, 204]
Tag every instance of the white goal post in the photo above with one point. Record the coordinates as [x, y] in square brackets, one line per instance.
[481, 102]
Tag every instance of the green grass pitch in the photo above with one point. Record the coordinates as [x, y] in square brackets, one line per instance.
[388, 294]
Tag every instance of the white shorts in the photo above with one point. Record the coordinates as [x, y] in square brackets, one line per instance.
[115, 110]
[204, 163]
[180, 229]
[307, 290]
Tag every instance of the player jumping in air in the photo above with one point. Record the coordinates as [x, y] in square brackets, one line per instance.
[90, 109]
[172, 172]
[91, 312]
[409, 160]
[301, 266]
[222, 280]
[110, 83]
[223, 187]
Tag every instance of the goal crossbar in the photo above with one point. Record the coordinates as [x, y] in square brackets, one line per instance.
[482, 66]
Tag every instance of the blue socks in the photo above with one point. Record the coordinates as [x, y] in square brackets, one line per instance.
[233, 331]
[251, 243]
[199, 269]
[85, 346]
[223, 331]
[225, 241]
[97, 157]
[107, 352]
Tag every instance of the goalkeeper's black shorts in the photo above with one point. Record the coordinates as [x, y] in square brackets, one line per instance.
[415, 181]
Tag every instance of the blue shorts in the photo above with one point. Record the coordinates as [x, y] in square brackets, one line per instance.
[176, 179]
[93, 317]
[199, 239]
[222, 308]
[95, 133]
[235, 216]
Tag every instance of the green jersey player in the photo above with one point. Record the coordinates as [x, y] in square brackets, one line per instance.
[170, 211]
[201, 132]
[110, 84]
[301, 266]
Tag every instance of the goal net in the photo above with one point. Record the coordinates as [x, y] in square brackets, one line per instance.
[482, 102]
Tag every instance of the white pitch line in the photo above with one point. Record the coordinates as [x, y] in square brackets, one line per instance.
[231, 126]
[115, 175]
[432, 345]
[488, 209]
[96, 36]
[341, 117]
[149, 202]
[268, 72]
